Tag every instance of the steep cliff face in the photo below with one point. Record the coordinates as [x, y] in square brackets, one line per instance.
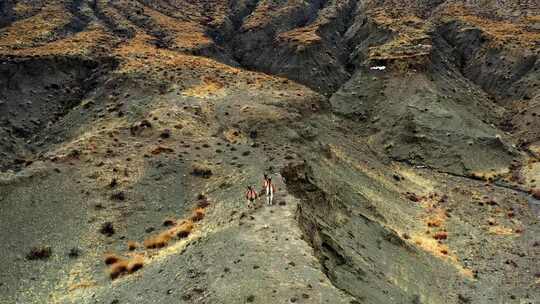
[403, 137]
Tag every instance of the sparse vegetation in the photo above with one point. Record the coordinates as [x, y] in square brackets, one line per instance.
[201, 170]
[39, 253]
[137, 128]
[441, 235]
[434, 223]
[131, 245]
[198, 214]
[169, 222]
[118, 196]
[161, 149]
[181, 230]
[135, 264]
[184, 229]
[111, 258]
[107, 229]
[159, 241]
[165, 134]
[202, 201]
[74, 253]
[412, 197]
[119, 266]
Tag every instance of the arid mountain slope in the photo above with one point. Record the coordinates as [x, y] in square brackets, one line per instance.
[403, 136]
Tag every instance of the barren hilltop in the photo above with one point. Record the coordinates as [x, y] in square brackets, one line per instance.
[403, 138]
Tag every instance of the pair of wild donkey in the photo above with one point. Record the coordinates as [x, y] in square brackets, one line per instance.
[268, 187]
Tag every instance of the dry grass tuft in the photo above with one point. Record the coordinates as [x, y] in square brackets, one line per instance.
[434, 223]
[201, 170]
[198, 214]
[183, 230]
[111, 258]
[202, 201]
[135, 264]
[107, 229]
[39, 253]
[159, 241]
[132, 245]
[413, 197]
[441, 235]
[161, 149]
[169, 222]
[118, 268]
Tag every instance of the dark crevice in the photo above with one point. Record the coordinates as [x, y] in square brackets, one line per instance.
[312, 14]
[223, 36]
[342, 45]
[238, 18]
[325, 249]
[325, 60]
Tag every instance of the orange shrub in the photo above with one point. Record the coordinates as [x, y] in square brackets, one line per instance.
[441, 235]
